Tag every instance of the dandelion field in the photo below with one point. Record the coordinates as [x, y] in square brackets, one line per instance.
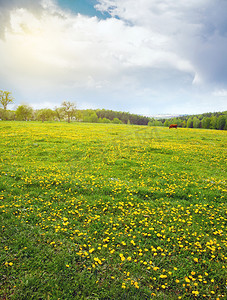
[105, 211]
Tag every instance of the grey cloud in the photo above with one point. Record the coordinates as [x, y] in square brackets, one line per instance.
[197, 30]
[209, 44]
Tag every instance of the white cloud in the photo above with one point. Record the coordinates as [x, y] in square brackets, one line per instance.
[84, 46]
[66, 48]
[194, 31]
[152, 52]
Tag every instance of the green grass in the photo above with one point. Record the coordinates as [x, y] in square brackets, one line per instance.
[103, 211]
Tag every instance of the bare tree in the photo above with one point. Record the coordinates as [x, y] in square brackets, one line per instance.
[5, 98]
[69, 108]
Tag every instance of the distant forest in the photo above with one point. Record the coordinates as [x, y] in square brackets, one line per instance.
[68, 112]
[216, 120]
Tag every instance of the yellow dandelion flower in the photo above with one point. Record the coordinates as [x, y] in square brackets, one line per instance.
[195, 293]
[187, 279]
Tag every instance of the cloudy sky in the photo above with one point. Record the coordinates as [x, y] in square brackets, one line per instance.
[141, 56]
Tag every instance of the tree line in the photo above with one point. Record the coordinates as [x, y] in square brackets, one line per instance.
[66, 112]
[69, 112]
[215, 120]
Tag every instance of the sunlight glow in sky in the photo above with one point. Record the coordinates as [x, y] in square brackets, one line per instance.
[147, 57]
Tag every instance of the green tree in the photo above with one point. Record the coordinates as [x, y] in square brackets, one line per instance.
[93, 118]
[167, 123]
[44, 114]
[176, 121]
[69, 108]
[221, 122]
[2, 114]
[203, 121]
[117, 121]
[7, 114]
[105, 120]
[190, 123]
[79, 115]
[5, 98]
[154, 122]
[90, 116]
[196, 122]
[213, 122]
[206, 122]
[158, 123]
[151, 122]
[24, 113]
[183, 124]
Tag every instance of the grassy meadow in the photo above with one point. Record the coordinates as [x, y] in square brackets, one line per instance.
[104, 211]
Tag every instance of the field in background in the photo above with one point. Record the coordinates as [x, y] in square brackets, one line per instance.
[103, 211]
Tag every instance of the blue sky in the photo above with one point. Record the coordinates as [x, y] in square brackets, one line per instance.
[148, 57]
[84, 7]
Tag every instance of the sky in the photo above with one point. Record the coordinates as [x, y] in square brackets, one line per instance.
[141, 56]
